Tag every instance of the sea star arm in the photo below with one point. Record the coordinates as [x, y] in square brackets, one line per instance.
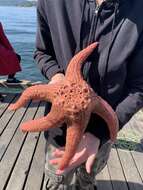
[52, 120]
[76, 64]
[104, 110]
[37, 92]
[73, 137]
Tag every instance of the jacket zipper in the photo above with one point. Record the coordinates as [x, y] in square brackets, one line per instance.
[97, 9]
[92, 35]
[94, 23]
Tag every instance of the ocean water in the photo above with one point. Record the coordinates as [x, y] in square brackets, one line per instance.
[20, 27]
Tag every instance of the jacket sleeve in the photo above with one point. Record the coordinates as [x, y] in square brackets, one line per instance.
[133, 102]
[44, 54]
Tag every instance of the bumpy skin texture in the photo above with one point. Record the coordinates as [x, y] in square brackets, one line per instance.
[73, 101]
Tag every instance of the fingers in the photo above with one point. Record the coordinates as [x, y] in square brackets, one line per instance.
[55, 161]
[90, 162]
[77, 158]
[58, 152]
[57, 78]
[75, 162]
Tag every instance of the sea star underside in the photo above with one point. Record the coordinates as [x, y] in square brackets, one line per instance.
[73, 101]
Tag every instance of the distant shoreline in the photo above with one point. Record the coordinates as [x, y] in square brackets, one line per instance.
[22, 4]
[17, 6]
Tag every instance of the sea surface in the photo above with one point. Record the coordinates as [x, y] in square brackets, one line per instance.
[20, 27]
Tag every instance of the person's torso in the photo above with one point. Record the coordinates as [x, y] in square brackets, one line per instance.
[72, 28]
[71, 25]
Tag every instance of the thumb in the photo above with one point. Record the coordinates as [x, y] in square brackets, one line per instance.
[90, 162]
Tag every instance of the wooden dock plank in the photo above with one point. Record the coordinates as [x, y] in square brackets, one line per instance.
[10, 129]
[138, 158]
[131, 173]
[7, 100]
[103, 180]
[116, 171]
[5, 118]
[21, 169]
[37, 166]
[13, 151]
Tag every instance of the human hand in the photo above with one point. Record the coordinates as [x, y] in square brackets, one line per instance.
[57, 77]
[86, 152]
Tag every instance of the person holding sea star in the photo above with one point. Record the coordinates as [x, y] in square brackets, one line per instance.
[114, 71]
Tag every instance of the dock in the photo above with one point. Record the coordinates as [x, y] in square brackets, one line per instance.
[22, 154]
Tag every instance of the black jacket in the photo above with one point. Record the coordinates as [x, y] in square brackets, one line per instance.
[65, 27]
